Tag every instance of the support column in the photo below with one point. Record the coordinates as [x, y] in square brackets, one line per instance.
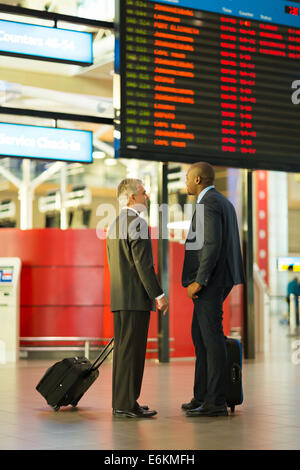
[249, 332]
[26, 197]
[63, 196]
[163, 261]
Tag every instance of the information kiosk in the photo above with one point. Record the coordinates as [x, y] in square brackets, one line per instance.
[10, 269]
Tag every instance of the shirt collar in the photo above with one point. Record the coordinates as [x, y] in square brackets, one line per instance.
[203, 192]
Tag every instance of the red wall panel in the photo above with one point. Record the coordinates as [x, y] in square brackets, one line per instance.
[62, 285]
[181, 307]
[62, 321]
[53, 247]
[236, 300]
[62, 288]
[262, 235]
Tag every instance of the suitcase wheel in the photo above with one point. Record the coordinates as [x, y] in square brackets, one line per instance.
[56, 407]
[232, 408]
[75, 403]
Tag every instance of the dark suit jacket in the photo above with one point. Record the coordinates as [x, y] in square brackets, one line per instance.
[134, 284]
[213, 255]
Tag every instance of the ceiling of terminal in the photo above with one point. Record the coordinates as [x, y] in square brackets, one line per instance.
[94, 9]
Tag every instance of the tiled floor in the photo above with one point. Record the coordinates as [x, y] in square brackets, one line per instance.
[268, 419]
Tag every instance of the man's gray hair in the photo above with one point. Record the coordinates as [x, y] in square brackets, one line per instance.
[126, 188]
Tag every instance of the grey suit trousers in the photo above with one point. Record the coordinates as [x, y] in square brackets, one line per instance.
[130, 342]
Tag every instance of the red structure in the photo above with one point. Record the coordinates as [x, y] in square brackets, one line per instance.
[262, 229]
[65, 288]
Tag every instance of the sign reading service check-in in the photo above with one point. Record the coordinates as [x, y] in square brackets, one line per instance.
[18, 140]
[43, 42]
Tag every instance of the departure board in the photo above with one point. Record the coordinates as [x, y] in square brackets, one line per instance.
[220, 86]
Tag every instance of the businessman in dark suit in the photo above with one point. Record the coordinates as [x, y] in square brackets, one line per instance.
[212, 266]
[134, 292]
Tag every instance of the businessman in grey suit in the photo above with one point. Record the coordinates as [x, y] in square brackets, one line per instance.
[212, 266]
[134, 292]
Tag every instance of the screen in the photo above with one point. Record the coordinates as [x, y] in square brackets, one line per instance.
[17, 140]
[292, 10]
[284, 263]
[6, 274]
[201, 85]
[43, 42]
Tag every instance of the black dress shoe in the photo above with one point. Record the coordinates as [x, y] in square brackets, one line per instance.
[192, 404]
[207, 409]
[144, 407]
[137, 413]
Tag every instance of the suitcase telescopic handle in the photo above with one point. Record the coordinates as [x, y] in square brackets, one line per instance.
[102, 356]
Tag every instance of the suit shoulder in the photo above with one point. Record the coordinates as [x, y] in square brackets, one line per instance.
[213, 200]
[218, 199]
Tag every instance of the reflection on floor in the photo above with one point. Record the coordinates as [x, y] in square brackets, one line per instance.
[268, 419]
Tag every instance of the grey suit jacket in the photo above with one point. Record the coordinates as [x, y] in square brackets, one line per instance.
[134, 285]
[212, 250]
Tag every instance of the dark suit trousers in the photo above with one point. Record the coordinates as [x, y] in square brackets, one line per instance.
[130, 342]
[209, 343]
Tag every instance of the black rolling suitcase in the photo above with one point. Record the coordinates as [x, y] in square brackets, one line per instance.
[234, 388]
[66, 381]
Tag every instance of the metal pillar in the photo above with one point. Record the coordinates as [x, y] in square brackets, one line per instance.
[249, 331]
[26, 197]
[63, 194]
[163, 261]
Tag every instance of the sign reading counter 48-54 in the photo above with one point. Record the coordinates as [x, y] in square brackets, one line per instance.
[45, 43]
[209, 80]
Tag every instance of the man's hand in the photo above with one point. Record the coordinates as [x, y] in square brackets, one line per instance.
[194, 289]
[163, 304]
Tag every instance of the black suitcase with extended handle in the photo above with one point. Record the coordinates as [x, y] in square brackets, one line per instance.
[66, 381]
[234, 386]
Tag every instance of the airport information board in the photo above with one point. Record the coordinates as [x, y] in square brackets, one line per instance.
[221, 85]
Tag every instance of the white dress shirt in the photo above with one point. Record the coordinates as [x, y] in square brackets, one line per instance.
[204, 191]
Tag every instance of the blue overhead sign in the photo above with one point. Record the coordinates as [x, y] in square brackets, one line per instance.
[275, 11]
[48, 143]
[46, 43]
